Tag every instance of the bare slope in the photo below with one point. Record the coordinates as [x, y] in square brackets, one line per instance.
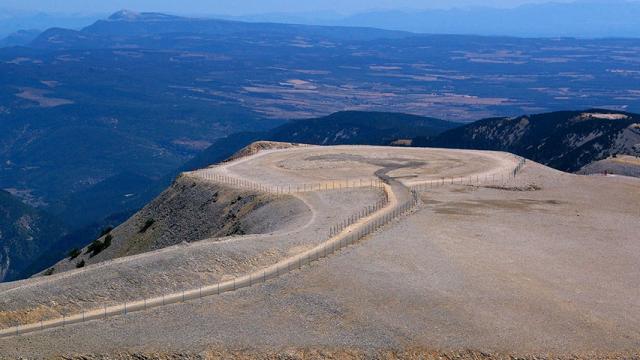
[619, 165]
[175, 268]
[191, 210]
[551, 270]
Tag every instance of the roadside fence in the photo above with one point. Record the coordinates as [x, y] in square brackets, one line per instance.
[347, 232]
[286, 189]
[370, 220]
[497, 179]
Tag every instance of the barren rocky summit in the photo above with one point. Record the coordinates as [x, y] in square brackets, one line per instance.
[498, 259]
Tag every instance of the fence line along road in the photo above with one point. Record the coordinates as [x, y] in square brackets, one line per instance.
[498, 178]
[399, 200]
[386, 212]
[286, 189]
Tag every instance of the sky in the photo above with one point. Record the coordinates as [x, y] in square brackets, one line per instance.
[249, 7]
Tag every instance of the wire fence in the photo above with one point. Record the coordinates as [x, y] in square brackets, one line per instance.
[499, 178]
[496, 179]
[286, 189]
[630, 172]
[341, 235]
[362, 213]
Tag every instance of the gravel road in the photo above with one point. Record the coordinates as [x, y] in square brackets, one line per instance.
[543, 265]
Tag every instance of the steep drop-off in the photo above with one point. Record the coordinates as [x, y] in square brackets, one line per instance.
[25, 232]
[189, 210]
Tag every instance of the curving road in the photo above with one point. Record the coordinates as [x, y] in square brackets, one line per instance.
[297, 170]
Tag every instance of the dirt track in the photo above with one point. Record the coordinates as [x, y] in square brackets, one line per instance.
[443, 278]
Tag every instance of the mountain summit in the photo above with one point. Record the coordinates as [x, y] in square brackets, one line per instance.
[124, 15]
[129, 15]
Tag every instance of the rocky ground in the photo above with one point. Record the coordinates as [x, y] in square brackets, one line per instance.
[543, 268]
[342, 353]
[624, 165]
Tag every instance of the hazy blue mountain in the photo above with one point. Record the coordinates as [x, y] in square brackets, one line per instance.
[128, 24]
[20, 37]
[14, 20]
[614, 18]
[579, 19]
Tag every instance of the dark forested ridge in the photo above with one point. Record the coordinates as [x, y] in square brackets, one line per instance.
[566, 140]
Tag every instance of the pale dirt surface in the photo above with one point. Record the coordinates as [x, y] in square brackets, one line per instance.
[315, 164]
[549, 272]
[259, 146]
[625, 165]
[180, 267]
[317, 353]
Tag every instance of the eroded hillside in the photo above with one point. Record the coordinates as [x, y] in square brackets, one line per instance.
[567, 140]
[191, 210]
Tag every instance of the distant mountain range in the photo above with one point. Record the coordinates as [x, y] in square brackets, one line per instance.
[127, 26]
[594, 19]
[20, 37]
[12, 21]
[131, 23]
[614, 18]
